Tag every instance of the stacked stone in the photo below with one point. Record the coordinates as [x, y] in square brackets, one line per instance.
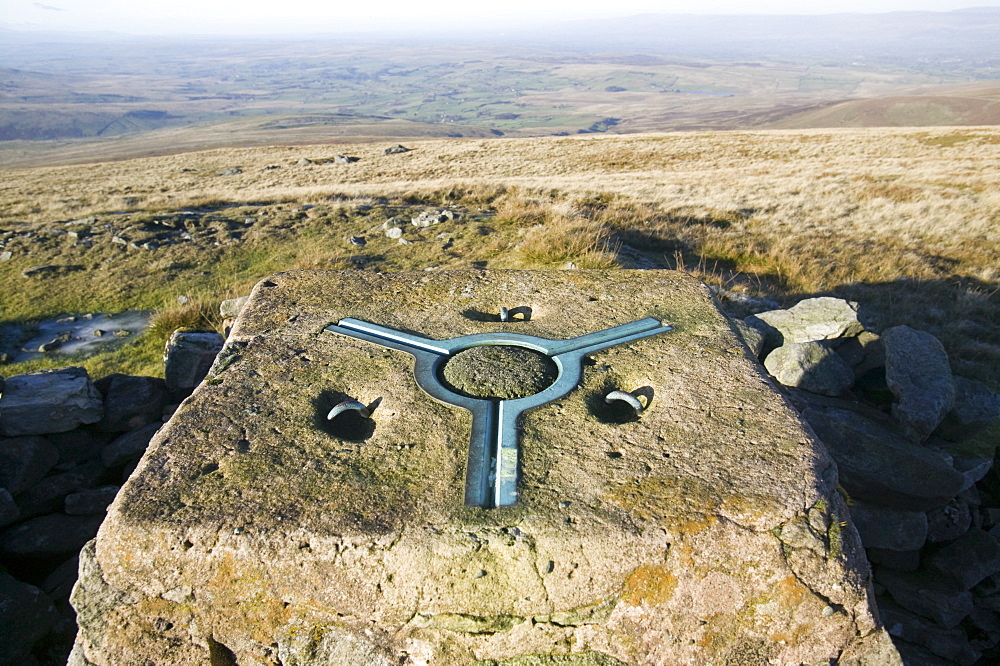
[925, 500]
[66, 445]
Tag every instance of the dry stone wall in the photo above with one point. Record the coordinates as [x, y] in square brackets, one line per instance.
[67, 443]
[926, 502]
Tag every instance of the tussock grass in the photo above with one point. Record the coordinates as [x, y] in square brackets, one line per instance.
[198, 313]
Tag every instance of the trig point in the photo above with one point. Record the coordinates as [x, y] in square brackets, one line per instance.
[480, 467]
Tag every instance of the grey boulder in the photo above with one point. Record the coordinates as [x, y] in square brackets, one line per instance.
[823, 318]
[49, 401]
[919, 375]
[810, 366]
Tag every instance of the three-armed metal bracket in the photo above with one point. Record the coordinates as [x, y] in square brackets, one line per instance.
[491, 474]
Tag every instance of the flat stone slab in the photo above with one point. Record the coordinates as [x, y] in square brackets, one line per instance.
[254, 531]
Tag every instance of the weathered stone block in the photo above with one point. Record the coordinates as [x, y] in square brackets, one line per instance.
[48, 401]
[255, 530]
[188, 356]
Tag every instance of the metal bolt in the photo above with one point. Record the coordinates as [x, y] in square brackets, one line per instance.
[345, 405]
[628, 398]
[508, 314]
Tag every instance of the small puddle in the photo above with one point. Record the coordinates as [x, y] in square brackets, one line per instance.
[76, 334]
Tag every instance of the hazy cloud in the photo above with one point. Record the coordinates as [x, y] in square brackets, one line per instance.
[49, 7]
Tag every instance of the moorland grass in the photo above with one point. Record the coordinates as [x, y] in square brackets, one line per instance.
[905, 221]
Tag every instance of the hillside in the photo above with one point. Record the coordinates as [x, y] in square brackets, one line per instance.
[906, 221]
[973, 104]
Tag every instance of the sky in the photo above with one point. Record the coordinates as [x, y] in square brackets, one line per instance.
[333, 16]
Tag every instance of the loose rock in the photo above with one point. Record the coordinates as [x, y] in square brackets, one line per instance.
[26, 615]
[940, 599]
[90, 502]
[976, 407]
[189, 356]
[231, 308]
[891, 529]
[129, 446]
[950, 644]
[822, 318]
[8, 509]
[810, 366]
[969, 559]
[131, 402]
[48, 495]
[49, 401]
[395, 150]
[918, 374]
[949, 522]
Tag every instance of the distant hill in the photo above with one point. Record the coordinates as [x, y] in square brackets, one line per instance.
[966, 33]
[978, 105]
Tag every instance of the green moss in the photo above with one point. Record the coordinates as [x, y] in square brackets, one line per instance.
[581, 659]
[591, 614]
[469, 624]
[835, 537]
